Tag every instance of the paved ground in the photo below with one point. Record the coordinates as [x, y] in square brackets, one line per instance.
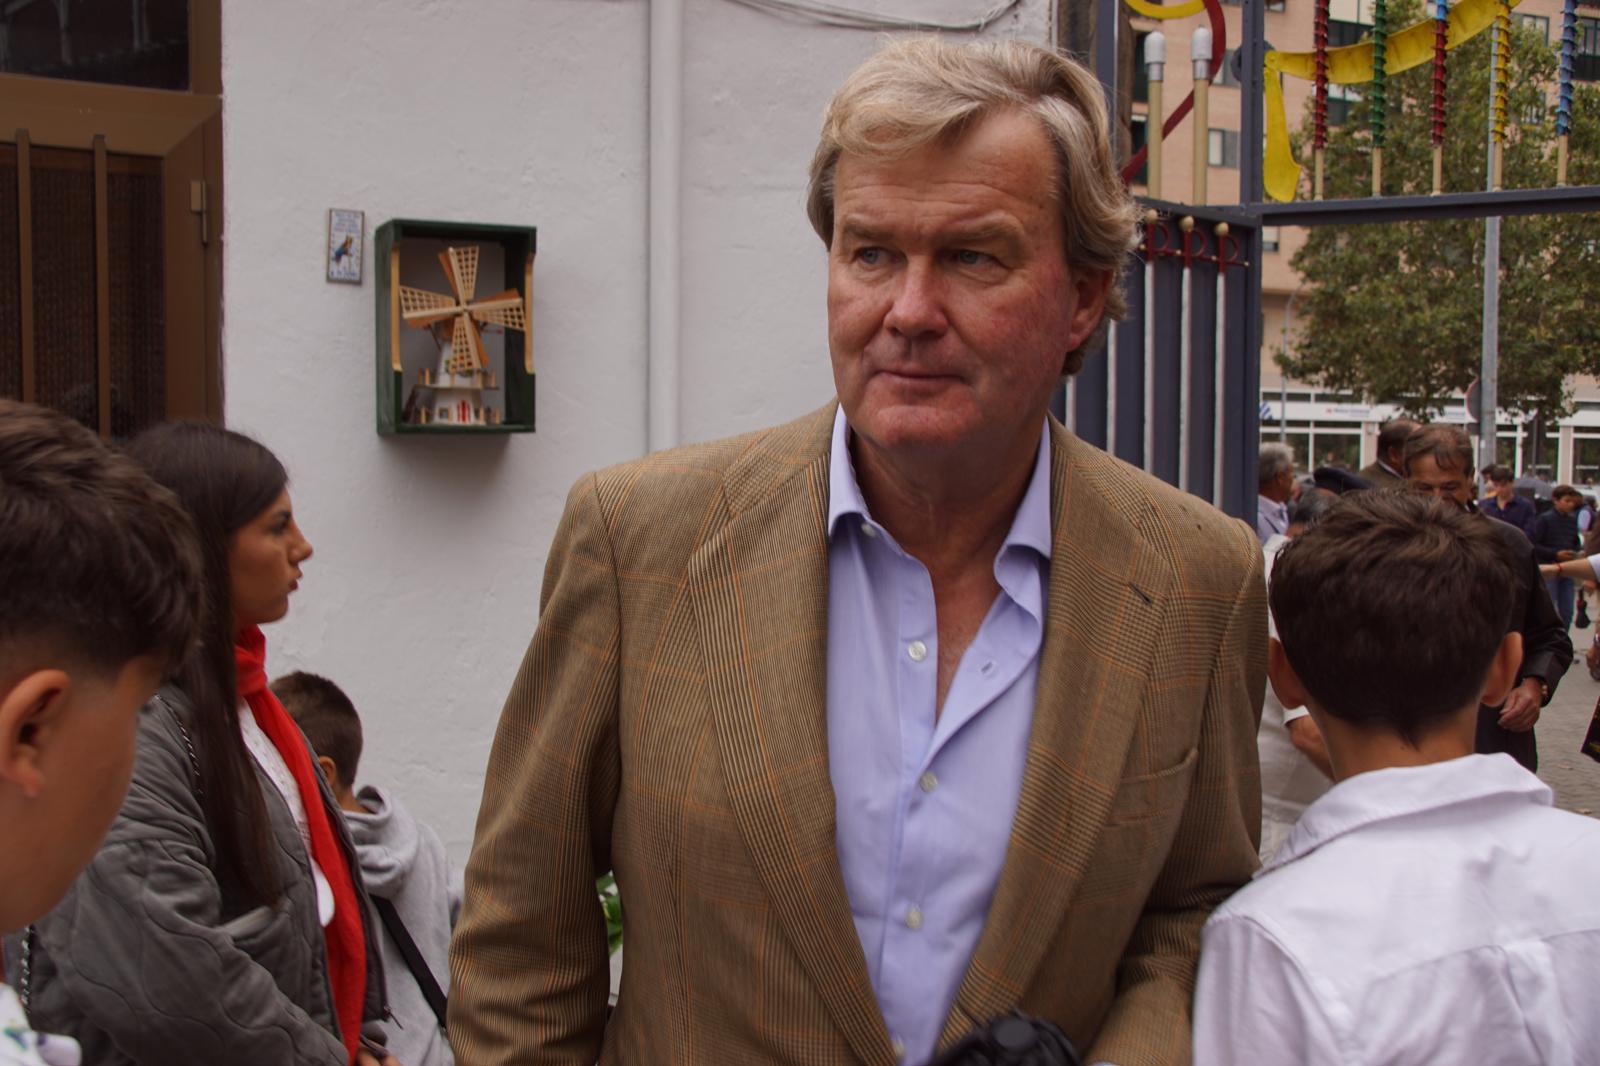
[1574, 776]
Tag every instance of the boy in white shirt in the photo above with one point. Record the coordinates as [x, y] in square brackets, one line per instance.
[1432, 907]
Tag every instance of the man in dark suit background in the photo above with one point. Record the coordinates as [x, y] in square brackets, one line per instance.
[1385, 472]
[1438, 461]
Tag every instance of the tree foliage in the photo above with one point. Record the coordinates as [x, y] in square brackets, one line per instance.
[1394, 311]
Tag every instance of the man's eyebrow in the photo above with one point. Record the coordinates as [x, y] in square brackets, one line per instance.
[985, 232]
[861, 231]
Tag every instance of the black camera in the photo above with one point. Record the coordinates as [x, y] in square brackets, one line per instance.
[1014, 1040]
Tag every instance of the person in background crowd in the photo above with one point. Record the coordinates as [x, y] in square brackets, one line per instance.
[1555, 540]
[1275, 487]
[1384, 472]
[223, 919]
[100, 569]
[402, 862]
[1432, 907]
[1294, 760]
[1504, 503]
[1438, 462]
[907, 714]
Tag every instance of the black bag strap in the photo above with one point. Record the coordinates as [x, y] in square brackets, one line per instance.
[414, 960]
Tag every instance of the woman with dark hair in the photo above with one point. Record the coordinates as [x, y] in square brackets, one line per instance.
[223, 920]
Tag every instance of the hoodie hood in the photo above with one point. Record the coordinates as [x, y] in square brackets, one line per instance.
[387, 840]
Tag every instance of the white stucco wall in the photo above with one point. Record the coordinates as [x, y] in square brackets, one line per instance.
[429, 552]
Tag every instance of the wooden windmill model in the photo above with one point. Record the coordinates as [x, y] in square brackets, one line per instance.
[463, 372]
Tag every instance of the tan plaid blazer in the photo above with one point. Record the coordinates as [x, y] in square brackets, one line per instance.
[669, 722]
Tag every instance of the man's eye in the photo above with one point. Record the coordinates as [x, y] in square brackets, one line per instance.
[968, 257]
[869, 256]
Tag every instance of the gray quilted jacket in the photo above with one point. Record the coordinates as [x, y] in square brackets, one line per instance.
[150, 961]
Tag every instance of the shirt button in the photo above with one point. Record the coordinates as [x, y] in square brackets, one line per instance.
[914, 918]
[868, 530]
[917, 650]
[928, 782]
[898, 1046]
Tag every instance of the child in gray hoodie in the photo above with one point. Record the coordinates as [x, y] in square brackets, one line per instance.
[404, 867]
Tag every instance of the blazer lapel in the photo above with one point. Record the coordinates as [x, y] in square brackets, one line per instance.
[1107, 588]
[759, 587]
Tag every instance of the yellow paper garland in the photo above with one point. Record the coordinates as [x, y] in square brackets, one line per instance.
[1352, 65]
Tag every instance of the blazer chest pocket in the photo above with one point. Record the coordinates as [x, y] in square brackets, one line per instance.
[1149, 796]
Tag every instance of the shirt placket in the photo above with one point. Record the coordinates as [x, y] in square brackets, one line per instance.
[906, 949]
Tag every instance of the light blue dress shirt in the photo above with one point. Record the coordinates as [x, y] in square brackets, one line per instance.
[925, 801]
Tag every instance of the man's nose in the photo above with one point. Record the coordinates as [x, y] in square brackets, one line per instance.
[918, 307]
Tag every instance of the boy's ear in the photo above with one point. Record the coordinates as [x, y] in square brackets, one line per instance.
[1285, 682]
[1502, 676]
[330, 770]
[27, 710]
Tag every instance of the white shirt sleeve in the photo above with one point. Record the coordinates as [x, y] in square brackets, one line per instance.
[1253, 1003]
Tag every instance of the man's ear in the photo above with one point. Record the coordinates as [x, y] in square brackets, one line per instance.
[1502, 676]
[1091, 288]
[27, 711]
[1285, 682]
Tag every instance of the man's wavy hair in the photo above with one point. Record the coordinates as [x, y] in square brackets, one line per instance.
[918, 90]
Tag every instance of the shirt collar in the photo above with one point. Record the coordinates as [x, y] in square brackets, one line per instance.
[1391, 470]
[1030, 528]
[1402, 791]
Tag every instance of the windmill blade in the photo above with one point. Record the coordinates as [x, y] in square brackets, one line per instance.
[461, 266]
[477, 341]
[462, 357]
[501, 309]
[419, 307]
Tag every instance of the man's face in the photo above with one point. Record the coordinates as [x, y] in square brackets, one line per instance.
[1448, 483]
[1567, 504]
[950, 304]
[1503, 490]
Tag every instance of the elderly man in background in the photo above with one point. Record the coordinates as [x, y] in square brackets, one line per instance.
[1384, 472]
[877, 716]
[1438, 461]
[1275, 488]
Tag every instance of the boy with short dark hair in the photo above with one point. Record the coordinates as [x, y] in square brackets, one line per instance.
[1431, 907]
[99, 600]
[402, 862]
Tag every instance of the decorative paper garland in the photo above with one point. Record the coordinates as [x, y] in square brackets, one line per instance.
[1353, 65]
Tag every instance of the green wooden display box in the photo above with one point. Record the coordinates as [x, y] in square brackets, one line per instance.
[519, 244]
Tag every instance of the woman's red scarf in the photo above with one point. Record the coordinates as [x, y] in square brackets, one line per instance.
[346, 940]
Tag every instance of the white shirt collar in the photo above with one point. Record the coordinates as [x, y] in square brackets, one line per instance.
[1402, 791]
[1030, 528]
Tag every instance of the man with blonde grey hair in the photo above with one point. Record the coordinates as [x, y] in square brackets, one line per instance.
[876, 716]
[1274, 488]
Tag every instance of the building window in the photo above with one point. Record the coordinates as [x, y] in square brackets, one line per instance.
[1586, 64]
[1141, 70]
[1272, 5]
[1341, 98]
[1229, 74]
[1271, 236]
[1342, 33]
[1539, 24]
[1140, 132]
[1223, 148]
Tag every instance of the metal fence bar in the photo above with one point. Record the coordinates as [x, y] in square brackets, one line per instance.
[102, 285]
[25, 262]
